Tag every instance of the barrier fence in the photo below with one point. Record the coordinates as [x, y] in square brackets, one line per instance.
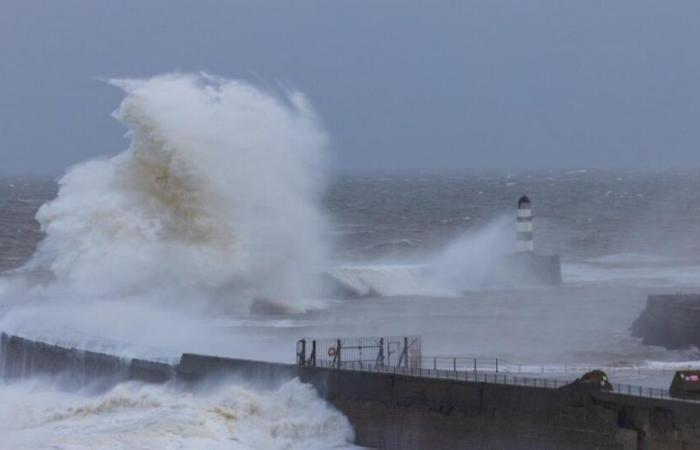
[402, 351]
[402, 356]
[479, 363]
[498, 378]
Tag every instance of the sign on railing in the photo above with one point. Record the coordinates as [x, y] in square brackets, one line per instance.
[402, 356]
[402, 351]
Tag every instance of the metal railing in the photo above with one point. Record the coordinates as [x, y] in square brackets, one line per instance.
[498, 378]
[404, 351]
[486, 364]
[480, 377]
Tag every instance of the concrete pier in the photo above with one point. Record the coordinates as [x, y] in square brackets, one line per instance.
[404, 411]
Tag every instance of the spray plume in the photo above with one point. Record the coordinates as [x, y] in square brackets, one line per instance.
[218, 192]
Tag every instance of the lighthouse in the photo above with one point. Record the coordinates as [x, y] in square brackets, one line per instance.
[525, 242]
[526, 266]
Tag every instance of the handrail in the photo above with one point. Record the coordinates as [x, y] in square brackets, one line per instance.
[402, 355]
[480, 363]
[498, 378]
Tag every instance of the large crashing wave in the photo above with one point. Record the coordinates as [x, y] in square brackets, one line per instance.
[218, 192]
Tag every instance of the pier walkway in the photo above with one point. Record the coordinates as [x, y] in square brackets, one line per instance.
[403, 356]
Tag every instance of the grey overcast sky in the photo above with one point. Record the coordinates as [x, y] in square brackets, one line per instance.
[399, 84]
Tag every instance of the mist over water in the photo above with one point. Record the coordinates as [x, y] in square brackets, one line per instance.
[477, 259]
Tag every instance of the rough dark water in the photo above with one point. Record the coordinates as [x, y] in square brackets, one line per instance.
[19, 232]
[579, 214]
[621, 236]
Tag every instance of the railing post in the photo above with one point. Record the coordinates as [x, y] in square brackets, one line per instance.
[301, 352]
[454, 364]
[312, 358]
[380, 355]
[496, 365]
[435, 362]
[405, 350]
[337, 352]
[474, 365]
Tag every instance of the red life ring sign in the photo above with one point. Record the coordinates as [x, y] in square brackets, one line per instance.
[331, 351]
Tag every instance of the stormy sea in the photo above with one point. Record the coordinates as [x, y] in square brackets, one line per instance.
[221, 225]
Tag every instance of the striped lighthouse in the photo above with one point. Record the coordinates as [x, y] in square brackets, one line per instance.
[525, 241]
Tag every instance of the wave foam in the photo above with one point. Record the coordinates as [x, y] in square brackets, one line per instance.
[134, 416]
[217, 193]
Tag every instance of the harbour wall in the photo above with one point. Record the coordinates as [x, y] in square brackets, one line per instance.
[395, 411]
[671, 321]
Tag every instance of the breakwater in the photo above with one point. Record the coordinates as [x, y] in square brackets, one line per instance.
[400, 410]
[671, 321]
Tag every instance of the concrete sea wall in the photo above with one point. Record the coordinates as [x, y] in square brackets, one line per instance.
[23, 358]
[395, 411]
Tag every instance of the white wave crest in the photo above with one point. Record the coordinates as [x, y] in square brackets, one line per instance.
[218, 192]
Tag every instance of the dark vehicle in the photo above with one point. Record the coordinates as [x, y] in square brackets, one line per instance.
[686, 383]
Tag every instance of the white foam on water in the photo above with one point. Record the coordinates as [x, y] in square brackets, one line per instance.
[675, 365]
[626, 270]
[627, 258]
[389, 280]
[35, 415]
